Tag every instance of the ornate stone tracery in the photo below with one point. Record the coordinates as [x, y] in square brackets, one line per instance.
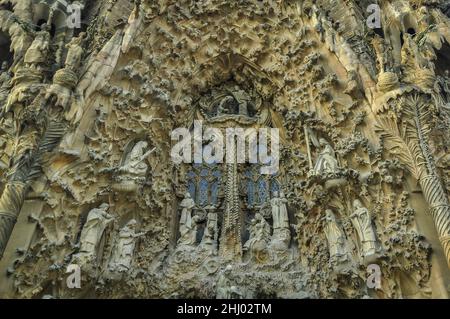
[87, 178]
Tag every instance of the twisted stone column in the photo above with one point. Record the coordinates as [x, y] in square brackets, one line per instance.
[230, 244]
[10, 204]
[439, 208]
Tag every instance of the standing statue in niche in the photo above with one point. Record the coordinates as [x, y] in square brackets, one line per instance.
[123, 253]
[37, 54]
[363, 224]
[97, 221]
[336, 239]
[281, 233]
[327, 162]
[259, 237]
[188, 224]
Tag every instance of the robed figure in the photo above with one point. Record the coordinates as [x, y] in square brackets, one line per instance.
[188, 225]
[336, 239]
[326, 162]
[363, 225]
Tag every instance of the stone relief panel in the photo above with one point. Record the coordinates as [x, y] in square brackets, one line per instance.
[85, 131]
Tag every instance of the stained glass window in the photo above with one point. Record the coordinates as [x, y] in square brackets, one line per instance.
[204, 183]
[259, 188]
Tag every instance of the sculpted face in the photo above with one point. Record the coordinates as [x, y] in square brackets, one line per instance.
[357, 203]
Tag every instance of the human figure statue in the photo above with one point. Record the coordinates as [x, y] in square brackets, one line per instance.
[74, 53]
[383, 52]
[209, 240]
[188, 227]
[225, 287]
[96, 223]
[259, 236]
[363, 225]
[336, 239]
[281, 233]
[37, 54]
[134, 164]
[66, 79]
[326, 162]
[124, 249]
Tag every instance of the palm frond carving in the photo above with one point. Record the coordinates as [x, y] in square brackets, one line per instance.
[399, 144]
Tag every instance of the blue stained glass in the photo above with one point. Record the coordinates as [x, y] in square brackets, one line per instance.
[250, 192]
[262, 190]
[275, 187]
[214, 192]
[191, 188]
[215, 186]
[204, 172]
[250, 188]
[203, 192]
[191, 174]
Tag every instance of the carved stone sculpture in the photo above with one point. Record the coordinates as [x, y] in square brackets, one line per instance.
[336, 239]
[210, 235]
[326, 162]
[36, 55]
[259, 237]
[5, 83]
[242, 98]
[363, 224]
[225, 286]
[188, 227]
[124, 249]
[92, 232]
[65, 79]
[20, 41]
[281, 234]
[81, 113]
[132, 172]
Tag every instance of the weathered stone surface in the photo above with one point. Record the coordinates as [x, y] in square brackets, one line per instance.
[88, 180]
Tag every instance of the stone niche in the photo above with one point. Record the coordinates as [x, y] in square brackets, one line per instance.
[92, 197]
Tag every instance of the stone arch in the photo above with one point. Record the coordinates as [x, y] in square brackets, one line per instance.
[230, 65]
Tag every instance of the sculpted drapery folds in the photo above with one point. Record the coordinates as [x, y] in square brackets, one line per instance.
[357, 117]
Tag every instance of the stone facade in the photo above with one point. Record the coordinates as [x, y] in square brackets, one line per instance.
[88, 181]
